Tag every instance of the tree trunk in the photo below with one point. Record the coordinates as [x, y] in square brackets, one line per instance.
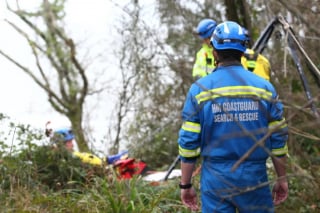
[232, 10]
[79, 132]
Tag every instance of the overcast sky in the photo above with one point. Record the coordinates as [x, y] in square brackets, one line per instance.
[21, 99]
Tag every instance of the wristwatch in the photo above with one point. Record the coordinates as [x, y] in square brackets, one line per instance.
[185, 186]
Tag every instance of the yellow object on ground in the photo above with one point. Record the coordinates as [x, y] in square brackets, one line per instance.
[88, 158]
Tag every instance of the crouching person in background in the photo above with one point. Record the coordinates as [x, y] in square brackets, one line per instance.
[125, 167]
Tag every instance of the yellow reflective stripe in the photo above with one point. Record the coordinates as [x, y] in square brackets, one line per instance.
[189, 153]
[278, 124]
[233, 91]
[280, 151]
[191, 127]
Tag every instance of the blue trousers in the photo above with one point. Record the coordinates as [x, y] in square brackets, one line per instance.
[245, 190]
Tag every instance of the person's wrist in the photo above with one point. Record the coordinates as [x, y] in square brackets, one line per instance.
[282, 178]
[185, 186]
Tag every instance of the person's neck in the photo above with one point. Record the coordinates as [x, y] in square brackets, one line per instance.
[229, 63]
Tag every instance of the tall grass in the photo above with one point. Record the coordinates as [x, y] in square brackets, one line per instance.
[41, 179]
[44, 180]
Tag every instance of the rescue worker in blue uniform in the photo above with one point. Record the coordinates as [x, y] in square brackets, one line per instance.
[234, 121]
[204, 63]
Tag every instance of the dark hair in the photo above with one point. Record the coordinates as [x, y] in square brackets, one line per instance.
[229, 55]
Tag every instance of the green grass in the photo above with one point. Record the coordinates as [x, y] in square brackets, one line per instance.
[44, 180]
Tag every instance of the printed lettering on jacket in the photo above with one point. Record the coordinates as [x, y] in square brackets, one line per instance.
[236, 111]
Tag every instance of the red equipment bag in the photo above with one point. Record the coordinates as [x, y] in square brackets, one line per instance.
[127, 168]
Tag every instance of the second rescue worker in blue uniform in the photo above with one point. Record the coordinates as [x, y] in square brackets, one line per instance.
[225, 115]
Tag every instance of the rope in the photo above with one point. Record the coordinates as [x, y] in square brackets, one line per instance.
[285, 54]
[287, 27]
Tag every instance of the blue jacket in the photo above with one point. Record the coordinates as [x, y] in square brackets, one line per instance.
[227, 112]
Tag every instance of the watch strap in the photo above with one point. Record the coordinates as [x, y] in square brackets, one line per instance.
[185, 186]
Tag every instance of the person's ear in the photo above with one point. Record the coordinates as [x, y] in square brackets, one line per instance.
[215, 56]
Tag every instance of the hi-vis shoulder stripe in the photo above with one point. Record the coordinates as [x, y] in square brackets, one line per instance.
[191, 127]
[278, 124]
[189, 153]
[233, 91]
[280, 151]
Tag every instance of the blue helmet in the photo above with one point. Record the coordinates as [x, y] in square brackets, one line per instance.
[246, 33]
[64, 135]
[229, 35]
[205, 28]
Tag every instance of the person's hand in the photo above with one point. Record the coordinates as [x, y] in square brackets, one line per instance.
[189, 198]
[280, 191]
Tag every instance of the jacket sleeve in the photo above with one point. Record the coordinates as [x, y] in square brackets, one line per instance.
[190, 133]
[278, 126]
